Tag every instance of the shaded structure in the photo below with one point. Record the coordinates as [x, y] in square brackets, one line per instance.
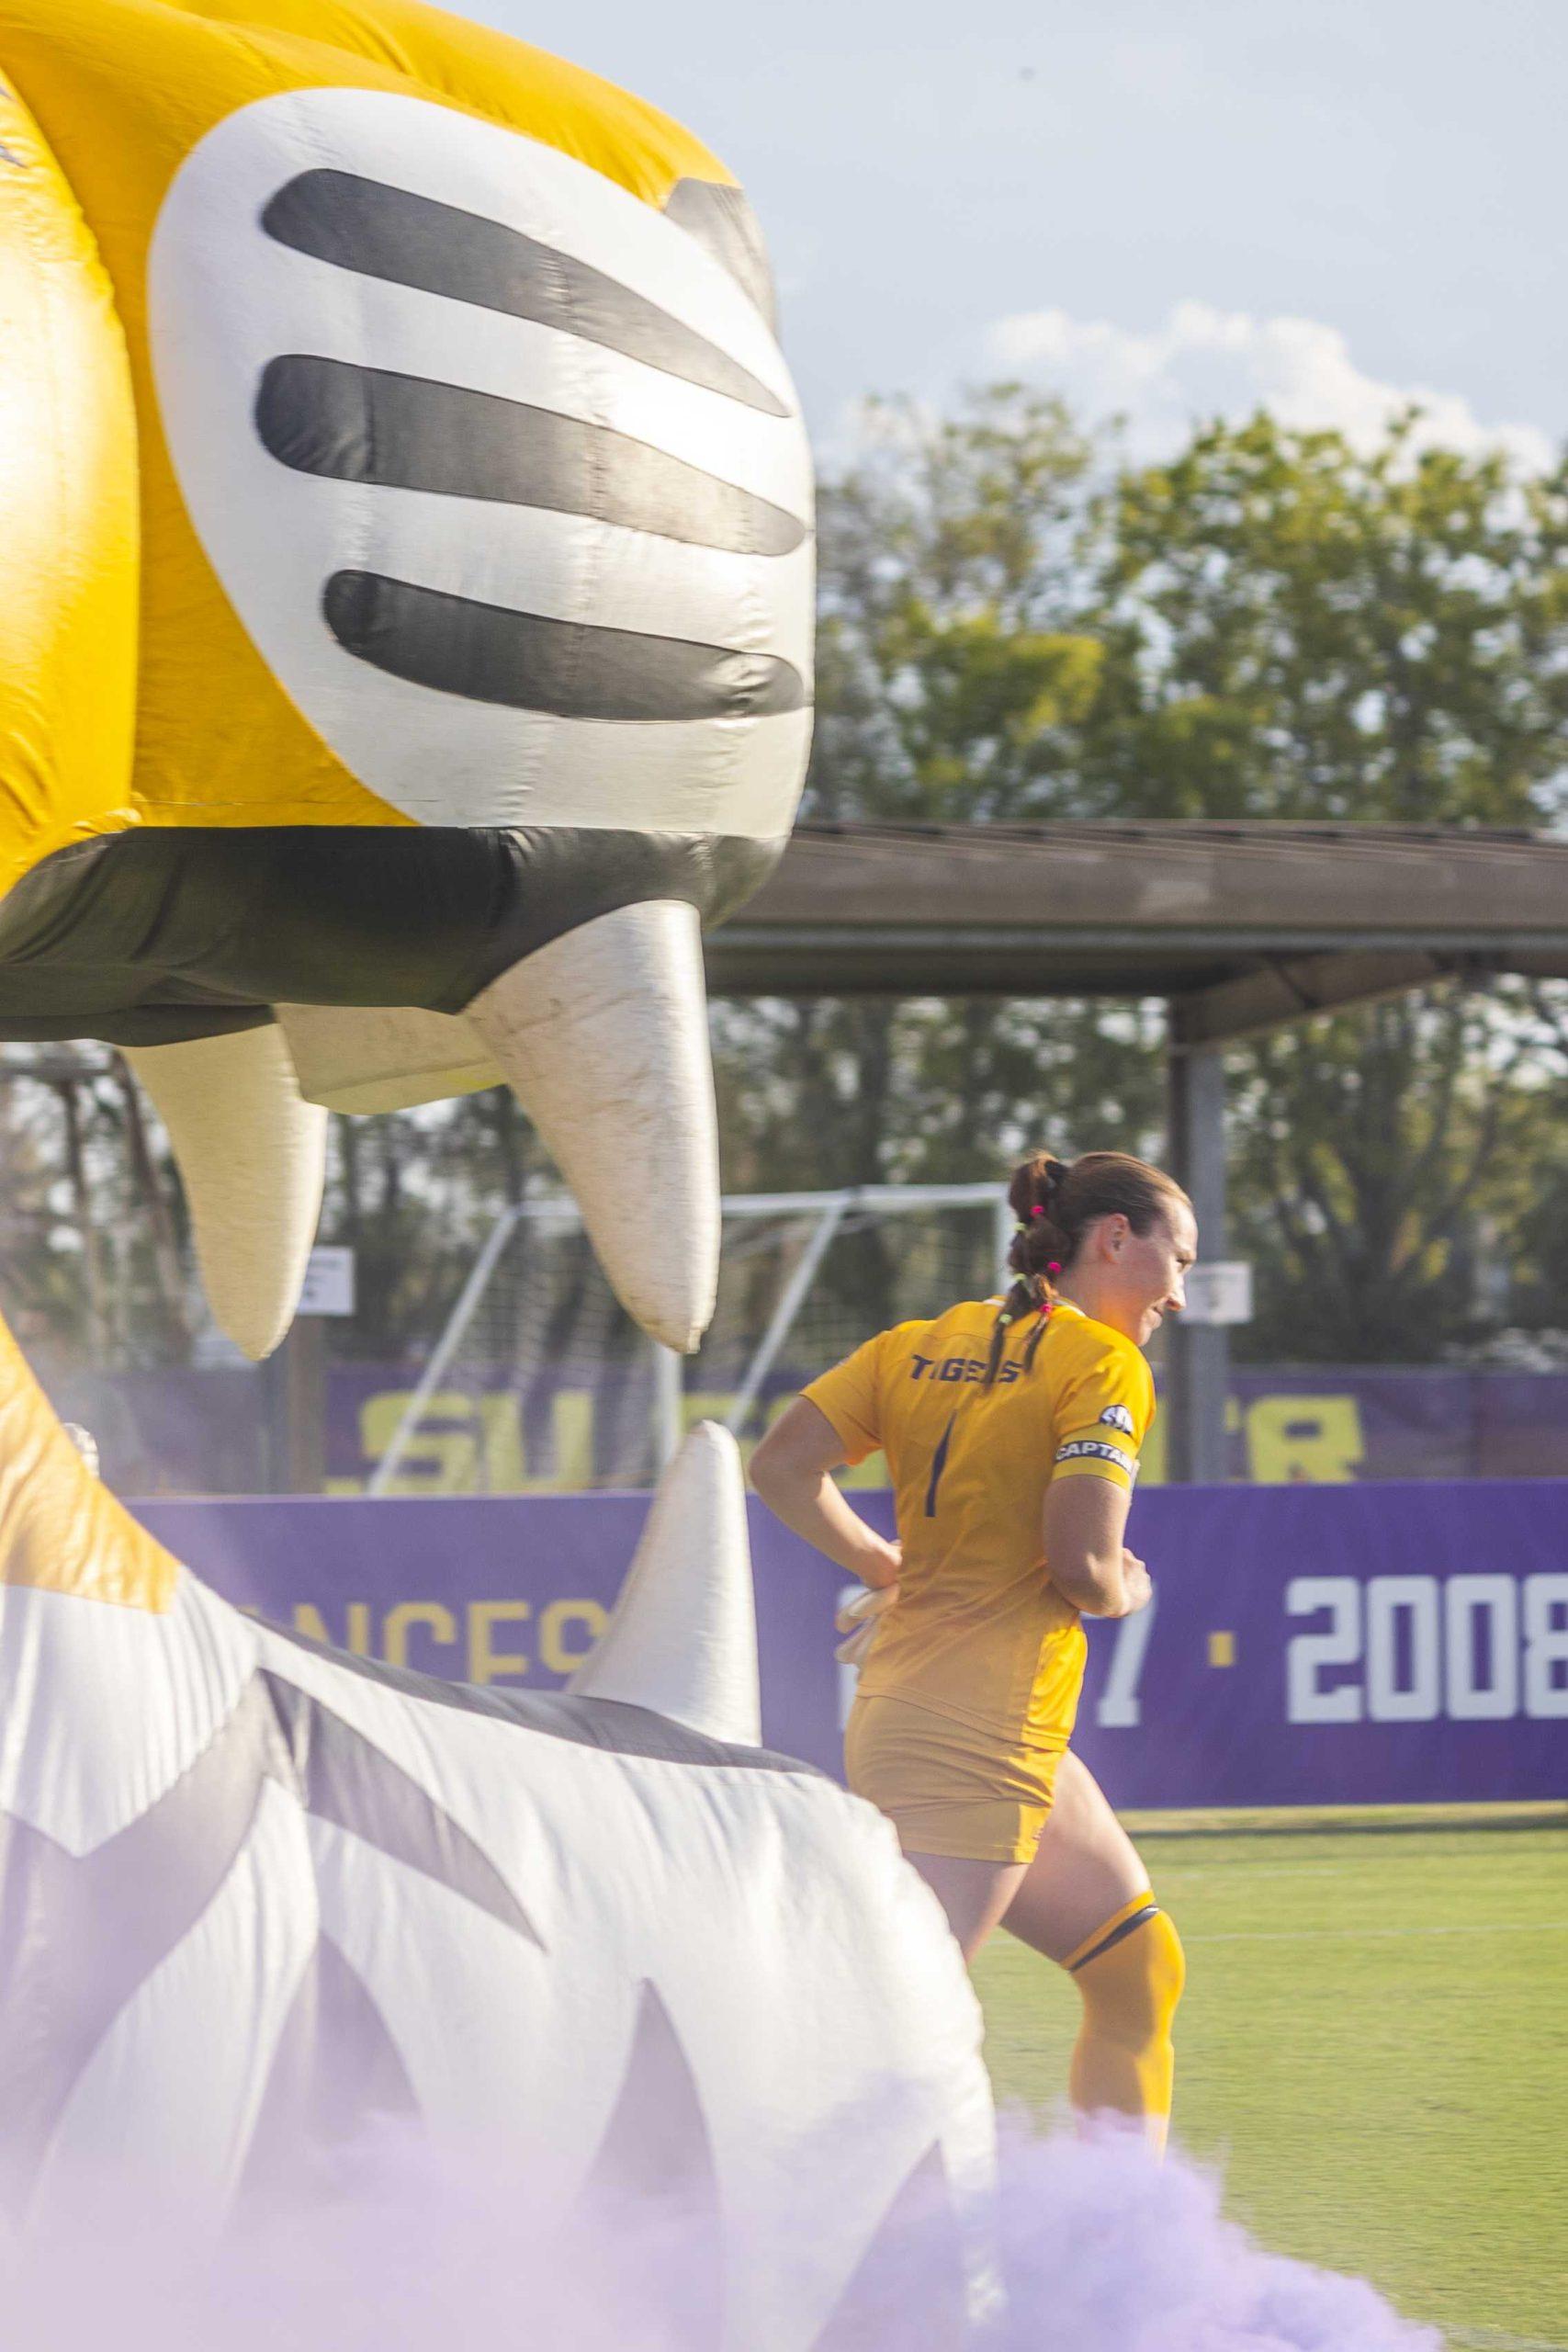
[1237, 927]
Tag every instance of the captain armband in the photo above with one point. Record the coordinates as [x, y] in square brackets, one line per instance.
[1098, 1449]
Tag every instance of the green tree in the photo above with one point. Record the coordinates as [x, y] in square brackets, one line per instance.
[1369, 1153]
[91, 1252]
[956, 673]
[1298, 630]
[954, 665]
[414, 1194]
[1272, 623]
[1293, 629]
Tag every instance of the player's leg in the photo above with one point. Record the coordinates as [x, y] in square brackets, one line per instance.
[1085, 1868]
[975, 1895]
[1086, 1903]
[966, 1819]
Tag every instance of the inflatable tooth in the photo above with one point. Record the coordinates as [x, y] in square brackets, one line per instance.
[405, 594]
[250, 1889]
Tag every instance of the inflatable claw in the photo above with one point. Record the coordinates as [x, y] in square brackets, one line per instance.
[405, 600]
[252, 1891]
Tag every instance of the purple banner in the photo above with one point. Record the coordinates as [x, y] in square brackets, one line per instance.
[1308, 1645]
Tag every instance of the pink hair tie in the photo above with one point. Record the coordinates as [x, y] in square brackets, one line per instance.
[1055, 1267]
[1037, 1210]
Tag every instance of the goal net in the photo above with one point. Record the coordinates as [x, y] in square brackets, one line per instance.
[560, 1391]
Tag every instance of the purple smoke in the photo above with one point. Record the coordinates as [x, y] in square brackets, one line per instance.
[1108, 2251]
[391, 2250]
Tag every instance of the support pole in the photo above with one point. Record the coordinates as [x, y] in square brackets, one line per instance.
[304, 1371]
[1198, 1357]
[669, 1405]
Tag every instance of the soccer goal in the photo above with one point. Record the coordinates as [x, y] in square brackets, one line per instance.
[559, 1389]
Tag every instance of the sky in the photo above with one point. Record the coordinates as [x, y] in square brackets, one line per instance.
[1166, 207]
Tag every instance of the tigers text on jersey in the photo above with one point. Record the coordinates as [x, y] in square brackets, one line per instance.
[978, 1633]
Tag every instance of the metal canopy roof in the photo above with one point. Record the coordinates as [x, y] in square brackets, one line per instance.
[1241, 926]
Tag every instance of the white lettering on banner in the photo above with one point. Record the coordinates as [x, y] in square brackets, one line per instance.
[1389, 1700]
[1478, 1695]
[1546, 1647]
[1461, 1648]
[1119, 1709]
[1308, 1654]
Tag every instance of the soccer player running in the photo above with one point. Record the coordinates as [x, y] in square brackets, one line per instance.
[1012, 1432]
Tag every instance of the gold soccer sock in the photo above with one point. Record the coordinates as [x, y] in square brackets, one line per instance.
[1130, 1972]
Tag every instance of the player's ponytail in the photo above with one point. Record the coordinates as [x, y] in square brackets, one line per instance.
[1039, 1247]
[1055, 1202]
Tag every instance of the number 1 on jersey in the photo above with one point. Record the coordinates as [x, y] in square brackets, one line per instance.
[939, 1463]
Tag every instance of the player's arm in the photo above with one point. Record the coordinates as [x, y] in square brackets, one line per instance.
[1085, 1558]
[791, 1470]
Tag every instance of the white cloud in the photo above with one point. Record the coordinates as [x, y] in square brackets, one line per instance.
[1204, 363]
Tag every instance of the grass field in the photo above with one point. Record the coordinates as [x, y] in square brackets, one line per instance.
[1373, 2044]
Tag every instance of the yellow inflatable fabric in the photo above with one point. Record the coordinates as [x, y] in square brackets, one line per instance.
[68, 548]
[406, 600]
[107, 98]
[59, 1529]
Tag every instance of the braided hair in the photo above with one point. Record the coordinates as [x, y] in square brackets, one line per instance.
[1055, 1201]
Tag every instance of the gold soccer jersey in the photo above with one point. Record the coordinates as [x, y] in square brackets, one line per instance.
[979, 1633]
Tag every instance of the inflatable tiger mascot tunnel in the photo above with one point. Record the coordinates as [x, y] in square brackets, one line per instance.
[405, 638]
